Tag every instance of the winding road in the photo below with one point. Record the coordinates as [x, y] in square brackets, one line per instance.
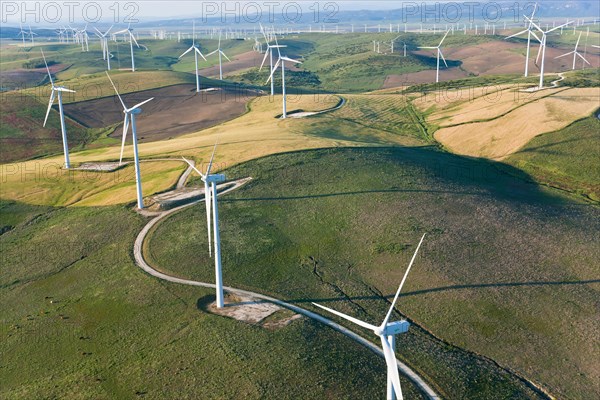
[141, 262]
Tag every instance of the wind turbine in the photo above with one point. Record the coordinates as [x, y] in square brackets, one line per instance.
[221, 53]
[31, 33]
[575, 53]
[57, 93]
[270, 54]
[210, 200]
[129, 31]
[196, 52]
[104, 42]
[542, 50]
[439, 54]
[23, 34]
[281, 61]
[387, 332]
[130, 114]
[530, 33]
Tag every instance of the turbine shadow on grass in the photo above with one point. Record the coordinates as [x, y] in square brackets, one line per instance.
[359, 192]
[450, 288]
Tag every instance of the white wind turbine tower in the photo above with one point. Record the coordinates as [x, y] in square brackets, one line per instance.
[210, 200]
[31, 33]
[269, 52]
[23, 34]
[197, 52]
[387, 332]
[281, 61]
[129, 31]
[575, 53]
[530, 33]
[130, 114]
[57, 93]
[221, 54]
[542, 50]
[439, 54]
[104, 42]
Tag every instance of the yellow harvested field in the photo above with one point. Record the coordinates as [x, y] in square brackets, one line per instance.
[444, 99]
[487, 107]
[252, 135]
[503, 136]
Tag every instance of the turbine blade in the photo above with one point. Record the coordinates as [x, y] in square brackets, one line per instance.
[558, 27]
[62, 89]
[578, 39]
[47, 69]
[392, 366]
[273, 70]
[141, 104]
[517, 34]
[583, 58]
[537, 58]
[291, 60]
[564, 55]
[389, 314]
[123, 31]
[264, 59]
[116, 91]
[49, 107]
[225, 55]
[349, 318]
[444, 38]
[211, 53]
[212, 158]
[193, 167]
[200, 53]
[187, 51]
[443, 59]
[429, 47]
[125, 129]
[536, 36]
[133, 37]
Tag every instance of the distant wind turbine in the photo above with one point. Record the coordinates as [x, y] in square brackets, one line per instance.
[542, 50]
[23, 33]
[269, 52]
[104, 42]
[210, 201]
[129, 31]
[575, 53]
[197, 52]
[57, 93]
[439, 54]
[281, 62]
[530, 33]
[31, 34]
[221, 53]
[130, 114]
[387, 332]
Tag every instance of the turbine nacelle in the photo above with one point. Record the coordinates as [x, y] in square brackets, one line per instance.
[394, 328]
[216, 178]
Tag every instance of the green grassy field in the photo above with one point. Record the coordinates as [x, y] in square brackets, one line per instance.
[22, 135]
[338, 227]
[550, 158]
[91, 325]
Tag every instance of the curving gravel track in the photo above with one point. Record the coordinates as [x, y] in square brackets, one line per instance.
[141, 262]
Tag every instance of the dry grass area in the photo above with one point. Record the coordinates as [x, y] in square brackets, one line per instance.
[489, 105]
[441, 100]
[500, 137]
[253, 135]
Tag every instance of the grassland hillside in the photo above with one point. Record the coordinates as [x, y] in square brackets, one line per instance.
[80, 320]
[507, 271]
[566, 158]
